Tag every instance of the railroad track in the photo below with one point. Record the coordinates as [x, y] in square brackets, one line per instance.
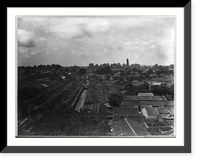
[57, 115]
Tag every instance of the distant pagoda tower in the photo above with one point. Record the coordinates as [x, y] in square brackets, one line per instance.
[127, 62]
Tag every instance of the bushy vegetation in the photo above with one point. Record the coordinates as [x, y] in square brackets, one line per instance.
[115, 100]
[103, 70]
[68, 122]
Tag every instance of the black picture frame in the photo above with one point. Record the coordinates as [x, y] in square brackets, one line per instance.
[128, 149]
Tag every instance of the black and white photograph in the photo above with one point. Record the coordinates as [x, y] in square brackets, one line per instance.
[96, 76]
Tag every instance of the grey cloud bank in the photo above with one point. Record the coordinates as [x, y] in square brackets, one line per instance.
[81, 40]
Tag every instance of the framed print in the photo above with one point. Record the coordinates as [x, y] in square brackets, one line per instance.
[99, 80]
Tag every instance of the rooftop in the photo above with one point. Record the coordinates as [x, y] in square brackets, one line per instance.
[144, 98]
[168, 133]
[169, 103]
[152, 111]
[126, 110]
[92, 96]
[154, 124]
[138, 127]
[130, 103]
[166, 110]
[145, 94]
[128, 127]
[153, 103]
[168, 122]
[159, 132]
[129, 112]
[26, 125]
[122, 128]
[155, 83]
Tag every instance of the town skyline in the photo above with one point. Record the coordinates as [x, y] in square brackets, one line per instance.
[95, 64]
[106, 63]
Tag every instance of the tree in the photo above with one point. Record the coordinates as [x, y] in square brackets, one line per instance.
[107, 70]
[155, 89]
[135, 69]
[54, 75]
[131, 78]
[107, 77]
[130, 89]
[72, 78]
[82, 71]
[128, 85]
[60, 80]
[118, 65]
[115, 100]
[155, 67]
[103, 70]
[91, 64]
[150, 71]
[144, 85]
[74, 68]
[171, 90]
[26, 109]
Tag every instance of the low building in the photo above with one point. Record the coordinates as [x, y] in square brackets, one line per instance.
[170, 97]
[122, 128]
[63, 77]
[154, 124]
[154, 85]
[167, 131]
[148, 100]
[144, 98]
[136, 83]
[153, 75]
[160, 128]
[25, 125]
[153, 103]
[130, 103]
[130, 112]
[169, 103]
[166, 110]
[168, 122]
[138, 127]
[91, 101]
[145, 94]
[128, 127]
[150, 113]
[117, 73]
[107, 105]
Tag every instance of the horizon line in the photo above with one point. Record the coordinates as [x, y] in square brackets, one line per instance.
[93, 63]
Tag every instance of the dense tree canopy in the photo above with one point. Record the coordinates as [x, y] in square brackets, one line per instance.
[82, 71]
[103, 70]
[115, 100]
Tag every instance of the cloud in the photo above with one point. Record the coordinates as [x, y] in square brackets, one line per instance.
[98, 25]
[69, 28]
[25, 39]
[31, 23]
[80, 40]
[65, 31]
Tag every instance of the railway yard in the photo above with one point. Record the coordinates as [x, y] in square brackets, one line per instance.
[58, 104]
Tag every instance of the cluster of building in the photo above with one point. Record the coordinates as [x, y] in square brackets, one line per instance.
[143, 115]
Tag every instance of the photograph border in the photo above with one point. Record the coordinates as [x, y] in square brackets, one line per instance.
[129, 149]
[81, 16]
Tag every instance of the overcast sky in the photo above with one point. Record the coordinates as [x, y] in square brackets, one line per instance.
[69, 41]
